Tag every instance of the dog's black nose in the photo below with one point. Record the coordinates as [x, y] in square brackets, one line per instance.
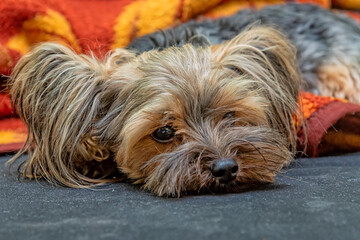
[224, 169]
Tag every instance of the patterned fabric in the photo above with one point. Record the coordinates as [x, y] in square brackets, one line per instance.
[331, 125]
[311, 103]
[99, 26]
[13, 134]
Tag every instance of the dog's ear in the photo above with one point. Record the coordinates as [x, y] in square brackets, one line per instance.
[266, 57]
[260, 51]
[60, 96]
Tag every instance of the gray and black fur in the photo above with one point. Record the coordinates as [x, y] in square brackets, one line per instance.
[322, 37]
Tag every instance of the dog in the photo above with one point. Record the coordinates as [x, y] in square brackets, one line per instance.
[181, 119]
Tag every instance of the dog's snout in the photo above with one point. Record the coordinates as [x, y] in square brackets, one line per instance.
[225, 170]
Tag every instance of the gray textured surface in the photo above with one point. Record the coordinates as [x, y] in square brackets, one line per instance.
[319, 198]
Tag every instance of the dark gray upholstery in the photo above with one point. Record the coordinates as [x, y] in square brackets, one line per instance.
[317, 198]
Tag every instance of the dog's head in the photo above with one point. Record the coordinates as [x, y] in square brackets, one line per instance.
[180, 120]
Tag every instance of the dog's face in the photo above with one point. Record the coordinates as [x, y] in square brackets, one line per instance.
[206, 118]
[194, 119]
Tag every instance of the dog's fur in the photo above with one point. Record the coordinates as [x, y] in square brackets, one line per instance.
[90, 119]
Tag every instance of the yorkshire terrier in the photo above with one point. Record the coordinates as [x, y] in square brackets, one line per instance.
[177, 119]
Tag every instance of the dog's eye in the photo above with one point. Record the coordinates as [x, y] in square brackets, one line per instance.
[229, 115]
[164, 134]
